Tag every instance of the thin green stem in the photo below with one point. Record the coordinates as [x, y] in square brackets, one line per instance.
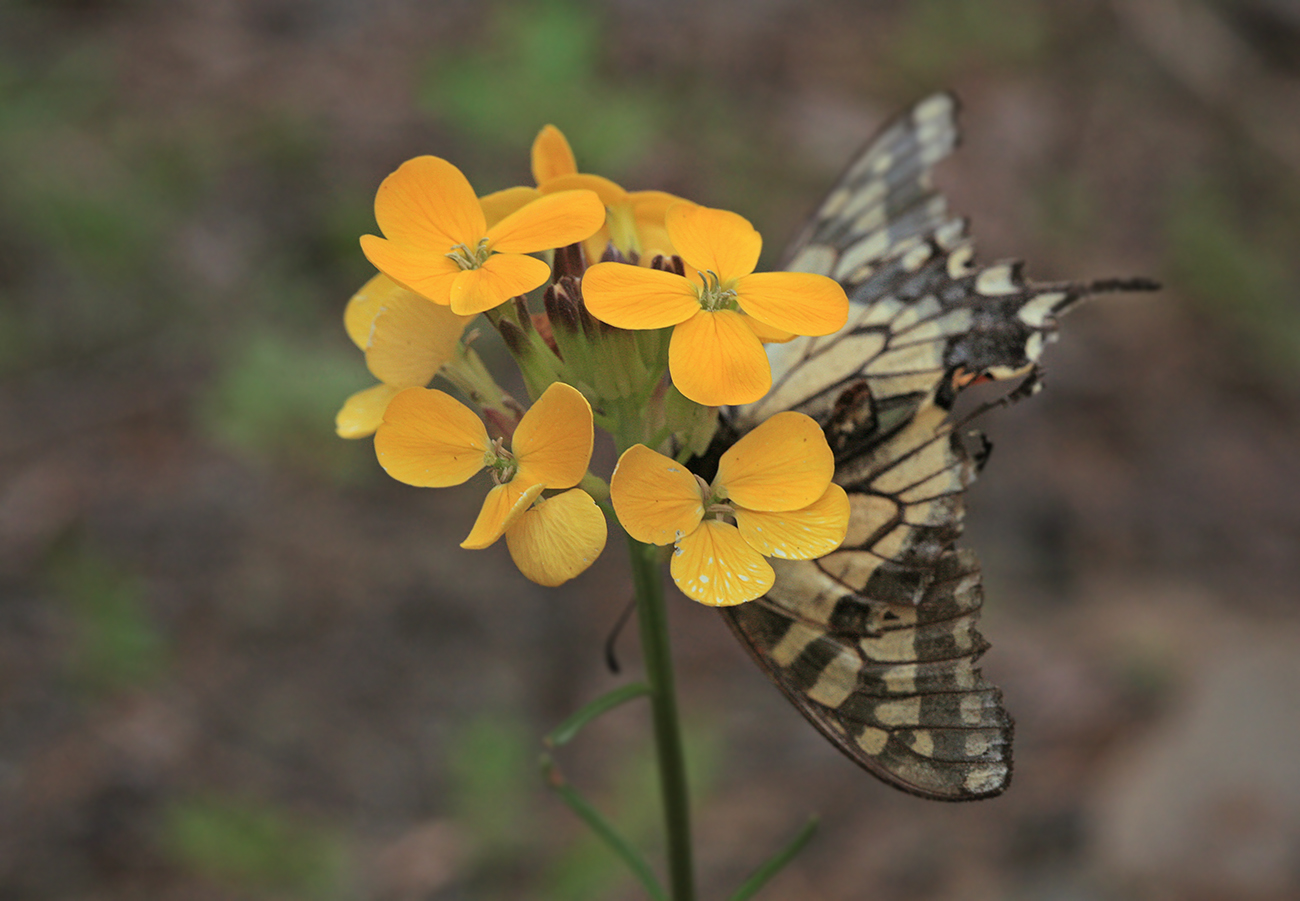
[647, 576]
[567, 730]
[603, 829]
[776, 863]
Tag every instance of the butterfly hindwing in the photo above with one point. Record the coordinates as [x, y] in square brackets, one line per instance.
[894, 686]
[876, 642]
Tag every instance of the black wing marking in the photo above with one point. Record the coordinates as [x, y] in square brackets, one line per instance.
[876, 643]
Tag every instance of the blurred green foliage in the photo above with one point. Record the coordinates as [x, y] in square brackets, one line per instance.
[541, 63]
[1244, 275]
[83, 225]
[255, 847]
[274, 398]
[498, 798]
[116, 644]
[588, 870]
[938, 38]
[1065, 211]
[492, 774]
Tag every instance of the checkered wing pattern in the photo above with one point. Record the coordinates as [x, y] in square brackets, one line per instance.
[876, 643]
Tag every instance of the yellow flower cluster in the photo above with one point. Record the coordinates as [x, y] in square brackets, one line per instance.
[679, 274]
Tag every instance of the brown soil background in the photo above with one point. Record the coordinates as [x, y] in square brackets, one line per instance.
[236, 661]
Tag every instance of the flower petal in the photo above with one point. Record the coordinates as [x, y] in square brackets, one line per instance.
[553, 440]
[412, 339]
[500, 204]
[427, 202]
[553, 220]
[501, 277]
[551, 155]
[805, 534]
[364, 306]
[635, 298]
[784, 464]
[714, 565]
[715, 358]
[655, 497]
[649, 208]
[427, 271]
[364, 411]
[796, 302]
[609, 192]
[712, 240]
[652, 206]
[430, 440]
[594, 247]
[557, 538]
[766, 333]
[654, 242]
[502, 506]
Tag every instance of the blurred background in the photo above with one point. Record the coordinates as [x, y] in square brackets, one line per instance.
[239, 662]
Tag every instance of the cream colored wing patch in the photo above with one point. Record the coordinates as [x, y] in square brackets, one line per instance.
[893, 686]
[876, 642]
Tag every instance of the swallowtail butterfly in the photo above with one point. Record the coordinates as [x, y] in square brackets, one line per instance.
[876, 643]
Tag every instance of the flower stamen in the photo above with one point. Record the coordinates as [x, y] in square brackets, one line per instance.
[713, 296]
[501, 462]
[465, 258]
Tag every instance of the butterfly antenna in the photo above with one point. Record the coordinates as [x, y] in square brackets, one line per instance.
[611, 655]
[1107, 285]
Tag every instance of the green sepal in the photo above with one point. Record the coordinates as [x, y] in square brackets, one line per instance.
[693, 424]
[537, 363]
[468, 373]
[595, 486]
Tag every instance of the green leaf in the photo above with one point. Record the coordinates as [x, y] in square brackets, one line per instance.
[776, 863]
[254, 846]
[117, 645]
[565, 732]
[603, 829]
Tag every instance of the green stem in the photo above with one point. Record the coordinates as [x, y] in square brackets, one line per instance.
[568, 730]
[647, 576]
[603, 829]
[776, 863]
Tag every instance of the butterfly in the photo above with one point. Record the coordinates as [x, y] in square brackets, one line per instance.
[876, 643]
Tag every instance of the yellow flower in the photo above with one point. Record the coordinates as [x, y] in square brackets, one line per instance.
[500, 204]
[437, 241]
[722, 312]
[406, 341]
[775, 483]
[634, 220]
[431, 440]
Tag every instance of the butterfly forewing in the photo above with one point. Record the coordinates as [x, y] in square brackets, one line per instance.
[876, 642]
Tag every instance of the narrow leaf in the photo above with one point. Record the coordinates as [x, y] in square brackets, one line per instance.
[603, 829]
[568, 730]
[776, 863]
